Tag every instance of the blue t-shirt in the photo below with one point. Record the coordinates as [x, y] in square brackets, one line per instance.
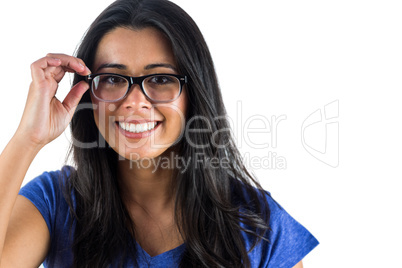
[289, 242]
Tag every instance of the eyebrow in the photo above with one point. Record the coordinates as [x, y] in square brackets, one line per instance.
[147, 67]
[113, 66]
[158, 65]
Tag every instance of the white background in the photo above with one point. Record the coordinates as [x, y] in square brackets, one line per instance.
[278, 58]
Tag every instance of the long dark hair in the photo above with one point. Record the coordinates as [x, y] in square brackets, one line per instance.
[213, 205]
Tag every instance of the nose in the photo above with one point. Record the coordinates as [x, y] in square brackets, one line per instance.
[136, 99]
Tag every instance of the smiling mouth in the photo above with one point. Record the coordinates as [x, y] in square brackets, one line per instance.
[138, 128]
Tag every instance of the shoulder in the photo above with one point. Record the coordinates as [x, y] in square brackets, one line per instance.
[289, 240]
[46, 193]
[286, 242]
[48, 182]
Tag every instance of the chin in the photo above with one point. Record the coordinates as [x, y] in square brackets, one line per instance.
[141, 153]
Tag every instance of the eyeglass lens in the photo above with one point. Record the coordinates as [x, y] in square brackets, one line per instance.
[157, 87]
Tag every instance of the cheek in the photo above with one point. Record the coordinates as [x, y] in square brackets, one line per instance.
[175, 120]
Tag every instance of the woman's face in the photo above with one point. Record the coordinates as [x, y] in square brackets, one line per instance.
[138, 53]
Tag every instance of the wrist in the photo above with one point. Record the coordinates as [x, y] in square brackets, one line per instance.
[26, 144]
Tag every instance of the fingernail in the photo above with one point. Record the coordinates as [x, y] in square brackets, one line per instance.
[89, 71]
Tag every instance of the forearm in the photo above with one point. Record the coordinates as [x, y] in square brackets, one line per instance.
[15, 160]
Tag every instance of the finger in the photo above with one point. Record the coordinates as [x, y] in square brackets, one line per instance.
[57, 73]
[38, 67]
[54, 71]
[74, 96]
[71, 63]
[61, 73]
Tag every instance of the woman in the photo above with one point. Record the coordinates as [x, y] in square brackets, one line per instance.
[158, 180]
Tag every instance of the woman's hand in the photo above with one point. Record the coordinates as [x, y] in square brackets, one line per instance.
[45, 117]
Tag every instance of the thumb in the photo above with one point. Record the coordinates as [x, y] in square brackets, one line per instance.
[72, 99]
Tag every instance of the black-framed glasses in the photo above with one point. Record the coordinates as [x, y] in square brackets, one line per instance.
[110, 87]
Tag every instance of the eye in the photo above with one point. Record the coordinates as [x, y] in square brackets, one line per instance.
[161, 79]
[112, 79]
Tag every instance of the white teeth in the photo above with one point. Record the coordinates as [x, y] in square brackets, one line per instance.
[137, 128]
[131, 128]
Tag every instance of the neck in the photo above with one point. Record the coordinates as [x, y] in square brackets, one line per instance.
[148, 184]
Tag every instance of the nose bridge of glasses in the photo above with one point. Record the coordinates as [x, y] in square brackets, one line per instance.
[136, 81]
